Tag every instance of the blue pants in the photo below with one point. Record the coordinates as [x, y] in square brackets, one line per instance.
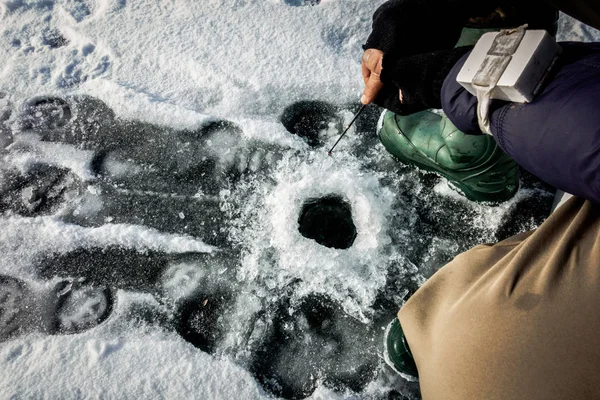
[556, 136]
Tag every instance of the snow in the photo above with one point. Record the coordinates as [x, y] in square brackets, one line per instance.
[174, 62]
[142, 365]
[149, 242]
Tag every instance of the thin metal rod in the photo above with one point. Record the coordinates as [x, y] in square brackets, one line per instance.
[347, 127]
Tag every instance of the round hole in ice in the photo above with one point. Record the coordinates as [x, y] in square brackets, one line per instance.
[314, 121]
[328, 221]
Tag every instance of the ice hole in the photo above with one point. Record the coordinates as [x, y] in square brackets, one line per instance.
[328, 221]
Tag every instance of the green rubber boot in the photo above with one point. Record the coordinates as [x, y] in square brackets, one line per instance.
[397, 354]
[472, 163]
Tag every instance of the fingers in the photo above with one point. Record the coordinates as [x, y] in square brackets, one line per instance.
[372, 64]
[372, 89]
[366, 73]
[366, 67]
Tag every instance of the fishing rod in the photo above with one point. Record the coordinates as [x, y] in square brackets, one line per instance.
[346, 130]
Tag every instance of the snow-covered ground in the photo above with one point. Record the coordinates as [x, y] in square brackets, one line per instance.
[151, 193]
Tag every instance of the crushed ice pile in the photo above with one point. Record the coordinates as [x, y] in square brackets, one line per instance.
[163, 169]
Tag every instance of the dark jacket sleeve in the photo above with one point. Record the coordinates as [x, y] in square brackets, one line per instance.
[408, 27]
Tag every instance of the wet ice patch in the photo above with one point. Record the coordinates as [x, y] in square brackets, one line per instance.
[201, 322]
[82, 121]
[313, 342]
[27, 242]
[44, 113]
[313, 121]
[106, 266]
[182, 279]
[17, 307]
[187, 276]
[63, 307]
[43, 190]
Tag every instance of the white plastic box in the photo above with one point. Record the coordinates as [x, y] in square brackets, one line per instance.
[525, 71]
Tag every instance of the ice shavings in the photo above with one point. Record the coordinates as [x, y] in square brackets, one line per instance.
[354, 275]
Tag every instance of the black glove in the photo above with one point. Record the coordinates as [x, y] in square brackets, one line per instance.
[420, 77]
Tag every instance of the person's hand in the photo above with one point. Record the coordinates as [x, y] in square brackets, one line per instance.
[372, 64]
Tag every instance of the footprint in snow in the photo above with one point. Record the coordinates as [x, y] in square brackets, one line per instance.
[86, 64]
[80, 10]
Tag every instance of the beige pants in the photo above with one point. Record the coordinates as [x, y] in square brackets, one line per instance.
[519, 319]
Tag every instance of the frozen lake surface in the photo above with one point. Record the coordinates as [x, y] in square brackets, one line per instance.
[164, 172]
